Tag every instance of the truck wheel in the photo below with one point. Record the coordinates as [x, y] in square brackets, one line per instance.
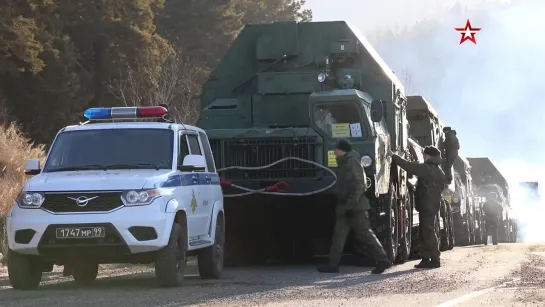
[210, 259]
[462, 230]
[170, 262]
[23, 273]
[85, 271]
[451, 239]
[439, 233]
[405, 242]
[390, 225]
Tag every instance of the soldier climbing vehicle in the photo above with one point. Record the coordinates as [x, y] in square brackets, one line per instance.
[426, 128]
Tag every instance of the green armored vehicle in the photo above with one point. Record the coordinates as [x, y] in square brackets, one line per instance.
[487, 179]
[467, 208]
[273, 108]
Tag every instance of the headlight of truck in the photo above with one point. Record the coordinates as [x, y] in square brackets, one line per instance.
[366, 161]
[30, 200]
[141, 197]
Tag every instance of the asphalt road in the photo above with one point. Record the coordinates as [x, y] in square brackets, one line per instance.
[503, 275]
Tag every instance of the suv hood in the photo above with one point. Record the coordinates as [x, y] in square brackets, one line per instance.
[96, 180]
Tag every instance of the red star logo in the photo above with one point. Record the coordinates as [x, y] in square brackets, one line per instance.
[468, 33]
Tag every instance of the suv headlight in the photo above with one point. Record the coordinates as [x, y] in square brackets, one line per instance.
[30, 200]
[366, 161]
[140, 197]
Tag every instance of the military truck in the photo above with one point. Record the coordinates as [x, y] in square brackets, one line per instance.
[274, 107]
[426, 127]
[468, 214]
[487, 179]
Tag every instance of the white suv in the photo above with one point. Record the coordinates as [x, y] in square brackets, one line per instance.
[119, 192]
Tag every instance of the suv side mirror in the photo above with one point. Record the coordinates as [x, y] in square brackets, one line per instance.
[377, 111]
[193, 163]
[32, 167]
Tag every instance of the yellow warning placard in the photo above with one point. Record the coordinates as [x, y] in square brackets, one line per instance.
[331, 159]
[340, 130]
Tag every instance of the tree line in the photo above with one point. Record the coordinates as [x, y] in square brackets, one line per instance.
[58, 57]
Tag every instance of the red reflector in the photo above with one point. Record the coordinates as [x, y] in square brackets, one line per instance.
[151, 112]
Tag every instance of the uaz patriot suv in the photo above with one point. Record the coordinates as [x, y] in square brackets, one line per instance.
[119, 192]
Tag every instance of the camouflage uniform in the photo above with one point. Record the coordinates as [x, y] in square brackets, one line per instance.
[492, 212]
[450, 148]
[431, 182]
[351, 214]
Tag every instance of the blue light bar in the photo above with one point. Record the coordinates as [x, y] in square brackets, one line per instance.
[98, 113]
[125, 113]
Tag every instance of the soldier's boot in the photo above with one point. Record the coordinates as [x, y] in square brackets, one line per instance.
[381, 267]
[423, 264]
[328, 268]
[434, 264]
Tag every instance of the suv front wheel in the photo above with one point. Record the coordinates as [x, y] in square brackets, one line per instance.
[85, 271]
[171, 261]
[24, 274]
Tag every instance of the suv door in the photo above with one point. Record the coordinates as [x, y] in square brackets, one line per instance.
[200, 207]
[212, 177]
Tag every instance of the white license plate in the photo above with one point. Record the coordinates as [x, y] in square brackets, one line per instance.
[80, 232]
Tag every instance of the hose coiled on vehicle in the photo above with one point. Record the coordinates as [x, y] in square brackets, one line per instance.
[279, 186]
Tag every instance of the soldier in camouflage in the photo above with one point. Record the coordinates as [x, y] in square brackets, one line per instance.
[431, 182]
[351, 211]
[449, 147]
[492, 213]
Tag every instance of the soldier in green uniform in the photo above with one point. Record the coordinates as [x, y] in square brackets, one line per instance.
[431, 182]
[351, 211]
[492, 213]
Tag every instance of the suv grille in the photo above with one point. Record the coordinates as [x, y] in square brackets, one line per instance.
[66, 202]
[260, 152]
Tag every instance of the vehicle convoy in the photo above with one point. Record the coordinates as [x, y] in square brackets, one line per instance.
[119, 192]
[426, 127]
[274, 107]
[488, 179]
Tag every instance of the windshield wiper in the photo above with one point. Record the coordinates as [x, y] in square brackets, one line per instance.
[132, 165]
[84, 167]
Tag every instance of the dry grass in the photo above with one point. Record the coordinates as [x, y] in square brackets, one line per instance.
[15, 149]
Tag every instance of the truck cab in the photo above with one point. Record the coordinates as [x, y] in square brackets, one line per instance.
[274, 108]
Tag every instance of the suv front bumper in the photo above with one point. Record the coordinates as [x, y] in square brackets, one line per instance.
[128, 230]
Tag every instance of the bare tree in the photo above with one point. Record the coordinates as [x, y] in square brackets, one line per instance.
[176, 84]
[408, 82]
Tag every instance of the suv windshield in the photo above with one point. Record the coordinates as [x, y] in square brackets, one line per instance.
[338, 119]
[111, 149]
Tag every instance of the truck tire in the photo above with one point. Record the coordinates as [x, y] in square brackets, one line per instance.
[439, 233]
[404, 250]
[390, 224]
[462, 232]
[84, 271]
[443, 245]
[210, 259]
[23, 273]
[171, 261]
[451, 237]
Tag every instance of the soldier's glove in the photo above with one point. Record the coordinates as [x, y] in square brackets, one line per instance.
[349, 214]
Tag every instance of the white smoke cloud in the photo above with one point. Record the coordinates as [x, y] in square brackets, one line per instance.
[491, 93]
